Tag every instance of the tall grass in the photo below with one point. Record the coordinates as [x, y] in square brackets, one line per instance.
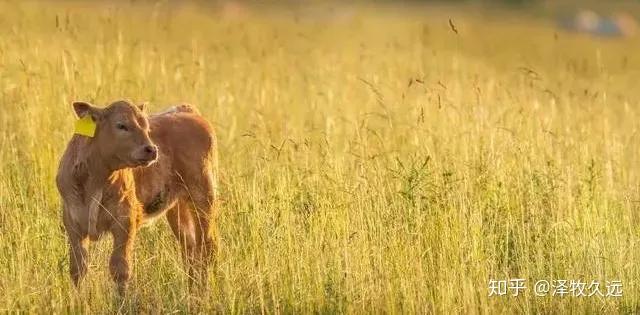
[374, 163]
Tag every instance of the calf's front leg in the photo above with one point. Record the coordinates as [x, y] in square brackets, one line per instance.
[94, 209]
[78, 257]
[123, 231]
[77, 247]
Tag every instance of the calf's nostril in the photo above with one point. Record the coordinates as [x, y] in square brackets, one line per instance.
[151, 149]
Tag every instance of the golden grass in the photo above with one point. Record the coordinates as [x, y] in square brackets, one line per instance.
[346, 188]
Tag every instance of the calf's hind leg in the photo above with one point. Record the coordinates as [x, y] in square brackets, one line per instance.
[199, 199]
[193, 231]
[207, 240]
[181, 223]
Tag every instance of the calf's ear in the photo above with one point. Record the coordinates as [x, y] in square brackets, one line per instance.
[142, 106]
[83, 108]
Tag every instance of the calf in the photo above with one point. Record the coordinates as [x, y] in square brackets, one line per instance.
[129, 168]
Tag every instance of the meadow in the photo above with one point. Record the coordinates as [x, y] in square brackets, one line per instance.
[374, 161]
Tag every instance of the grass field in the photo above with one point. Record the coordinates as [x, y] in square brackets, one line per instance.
[373, 162]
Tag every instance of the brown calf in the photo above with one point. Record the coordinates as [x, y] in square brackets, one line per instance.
[133, 169]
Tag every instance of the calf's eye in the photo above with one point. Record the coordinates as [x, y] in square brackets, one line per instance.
[121, 126]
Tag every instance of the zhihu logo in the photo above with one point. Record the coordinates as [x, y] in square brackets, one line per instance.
[557, 287]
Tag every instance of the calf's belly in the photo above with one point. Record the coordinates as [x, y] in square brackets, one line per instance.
[159, 205]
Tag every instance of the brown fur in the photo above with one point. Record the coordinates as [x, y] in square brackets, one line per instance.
[122, 178]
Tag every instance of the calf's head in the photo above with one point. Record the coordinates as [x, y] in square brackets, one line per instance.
[122, 134]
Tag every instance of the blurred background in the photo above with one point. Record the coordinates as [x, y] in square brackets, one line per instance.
[597, 18]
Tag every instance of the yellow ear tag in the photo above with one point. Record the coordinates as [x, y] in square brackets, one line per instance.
[86, 126]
